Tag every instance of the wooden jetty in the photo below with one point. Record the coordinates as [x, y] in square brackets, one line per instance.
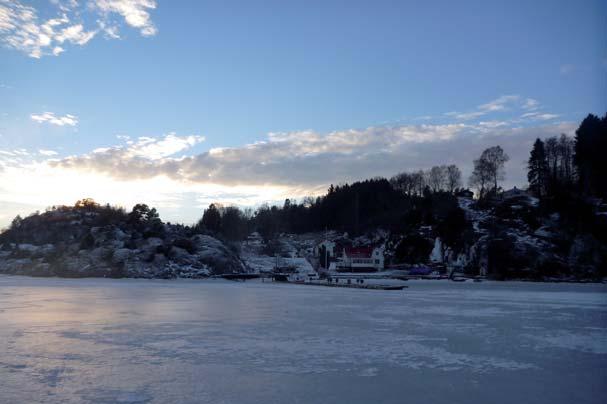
[239, 276]
[355, 285]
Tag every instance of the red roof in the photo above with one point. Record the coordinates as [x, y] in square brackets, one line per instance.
[359, 252]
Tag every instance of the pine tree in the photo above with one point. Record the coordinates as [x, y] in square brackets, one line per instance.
[538, 169]
[591, 143]
[211, 219]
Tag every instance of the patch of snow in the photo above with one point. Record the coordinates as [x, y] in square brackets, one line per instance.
[437, 252]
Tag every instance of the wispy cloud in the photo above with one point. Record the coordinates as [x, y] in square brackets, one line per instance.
[15, 152]
[499, 104]
[539, 116]
[152, 148]
[465, 116]
[530, 104]
[492, 124]
[566, 69]
[423, 118]
[47, 153]
[51, 118]
[135, 13]
[505, 110]
[22, 29]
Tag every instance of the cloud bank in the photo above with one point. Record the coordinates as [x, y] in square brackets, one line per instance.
[310, 159]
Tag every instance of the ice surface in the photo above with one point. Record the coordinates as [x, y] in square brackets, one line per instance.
[157, 341]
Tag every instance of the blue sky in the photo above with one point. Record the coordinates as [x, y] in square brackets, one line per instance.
[288, 95]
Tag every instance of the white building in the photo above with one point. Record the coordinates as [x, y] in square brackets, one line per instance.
[361, 259]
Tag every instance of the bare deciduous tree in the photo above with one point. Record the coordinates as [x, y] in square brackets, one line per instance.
[454, 178]
[419, 179]
[437, 178]
[488, 170]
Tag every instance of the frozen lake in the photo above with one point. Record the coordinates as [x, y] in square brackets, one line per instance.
[140, 341]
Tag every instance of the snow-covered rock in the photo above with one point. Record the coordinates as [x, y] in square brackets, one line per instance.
[107, 243]
[216, 255]
[437, 252]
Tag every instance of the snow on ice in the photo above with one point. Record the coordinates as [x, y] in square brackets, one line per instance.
[214, 341]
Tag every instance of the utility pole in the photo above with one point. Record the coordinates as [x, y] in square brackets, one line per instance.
[356, 213]
[326, 250]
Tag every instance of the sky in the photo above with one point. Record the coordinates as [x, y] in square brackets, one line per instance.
[182, 103]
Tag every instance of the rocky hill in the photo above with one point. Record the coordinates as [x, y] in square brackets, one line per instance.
[102, 241]
[509, 236]
[513, 238]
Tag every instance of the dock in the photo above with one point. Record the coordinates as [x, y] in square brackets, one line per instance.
[238, 276]
[353, 285]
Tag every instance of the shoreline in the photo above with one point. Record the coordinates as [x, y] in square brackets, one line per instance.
[220, 277]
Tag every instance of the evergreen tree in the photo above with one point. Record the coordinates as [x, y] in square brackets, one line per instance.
[538, 169]
[211, 219]
[591, 143]
[233, 224]
[138, 214]
[16, 223]
[144, 218]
